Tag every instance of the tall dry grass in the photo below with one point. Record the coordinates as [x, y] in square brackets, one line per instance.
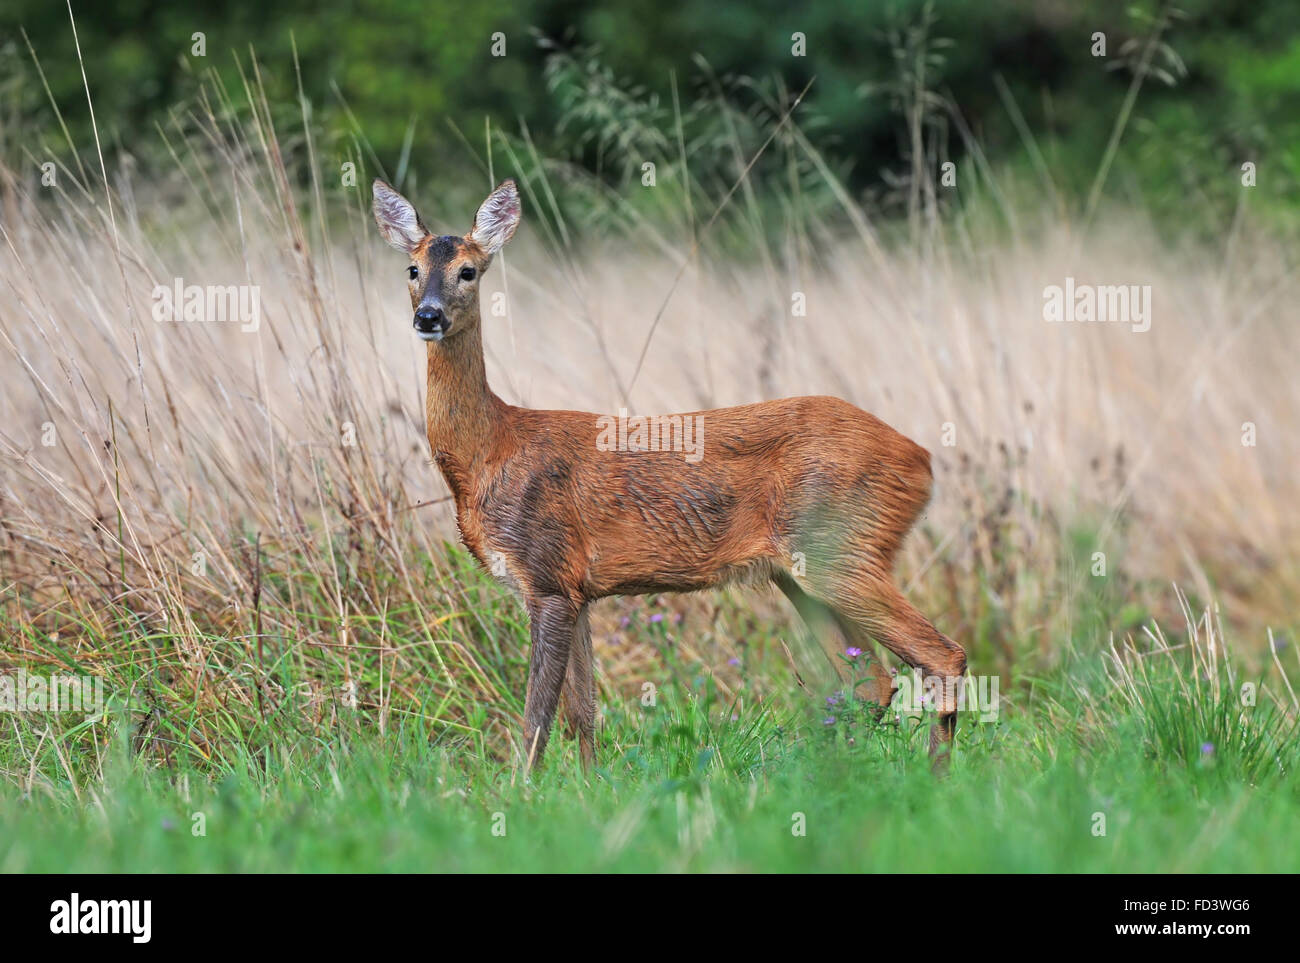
[186, 498]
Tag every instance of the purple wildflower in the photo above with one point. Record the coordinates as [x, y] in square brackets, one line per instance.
[853, 652]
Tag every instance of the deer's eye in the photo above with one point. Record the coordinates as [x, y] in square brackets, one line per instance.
[413, 271]
[467, 274]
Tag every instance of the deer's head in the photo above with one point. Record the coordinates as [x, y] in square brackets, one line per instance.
[444, 271]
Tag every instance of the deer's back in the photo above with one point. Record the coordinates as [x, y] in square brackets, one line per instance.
[571, 502]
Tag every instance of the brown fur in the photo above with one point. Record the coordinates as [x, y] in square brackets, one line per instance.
[572, 523]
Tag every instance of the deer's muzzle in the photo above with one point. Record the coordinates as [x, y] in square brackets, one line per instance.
[430, 323]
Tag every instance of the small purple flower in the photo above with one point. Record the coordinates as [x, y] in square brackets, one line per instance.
[828, 721]
[834, 699]
[168, 825]
[624, 622]
[733, 661]
[1207, 748]
[657, 617]
[853, 652]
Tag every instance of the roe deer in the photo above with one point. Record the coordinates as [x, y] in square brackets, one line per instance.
[540, 498]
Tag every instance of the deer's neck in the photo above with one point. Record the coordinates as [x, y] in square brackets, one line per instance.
[462, 414]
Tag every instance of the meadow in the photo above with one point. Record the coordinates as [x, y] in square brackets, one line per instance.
[236, 525]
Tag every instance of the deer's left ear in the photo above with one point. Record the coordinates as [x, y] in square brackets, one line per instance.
[497, 218]
[398, 223]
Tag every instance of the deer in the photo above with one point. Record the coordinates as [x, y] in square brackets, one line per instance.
[811, 494]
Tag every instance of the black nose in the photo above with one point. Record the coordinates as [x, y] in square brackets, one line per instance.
[429, 320]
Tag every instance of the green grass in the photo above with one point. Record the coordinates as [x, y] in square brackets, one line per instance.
[396, 752]
[684, 786]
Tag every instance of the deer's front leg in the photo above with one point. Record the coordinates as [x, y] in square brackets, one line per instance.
[580, 690]
[552, 620]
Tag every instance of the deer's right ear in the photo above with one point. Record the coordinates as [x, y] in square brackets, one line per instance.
[397, 220]
[497, 218]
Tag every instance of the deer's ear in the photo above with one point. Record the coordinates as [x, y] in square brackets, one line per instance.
[496, 220]
[397, 220]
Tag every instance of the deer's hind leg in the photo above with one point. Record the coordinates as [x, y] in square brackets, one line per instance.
[821, 621]
[580, 691]
[853, 579]
[852, 573]
[876, 607]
